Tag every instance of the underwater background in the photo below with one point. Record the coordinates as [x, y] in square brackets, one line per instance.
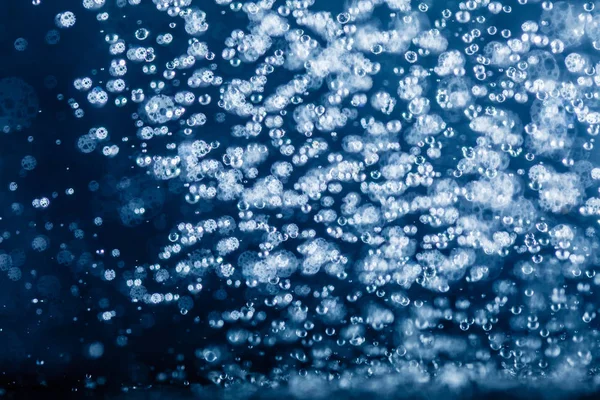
[304, 198]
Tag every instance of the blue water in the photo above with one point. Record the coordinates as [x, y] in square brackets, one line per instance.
[96, 298]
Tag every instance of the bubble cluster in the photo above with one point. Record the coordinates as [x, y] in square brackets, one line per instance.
[393, 194]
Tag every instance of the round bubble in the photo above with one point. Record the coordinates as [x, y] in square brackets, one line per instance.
[21, 44]
[159, 109]
[52, 37]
